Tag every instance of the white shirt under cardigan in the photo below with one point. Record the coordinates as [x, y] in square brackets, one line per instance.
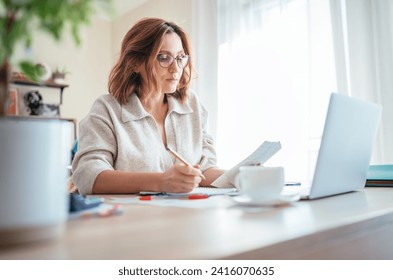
[126, 137]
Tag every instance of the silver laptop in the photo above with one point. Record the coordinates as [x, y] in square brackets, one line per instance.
[346, 148]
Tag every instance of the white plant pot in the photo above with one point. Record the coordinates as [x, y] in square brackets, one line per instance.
[34, 155]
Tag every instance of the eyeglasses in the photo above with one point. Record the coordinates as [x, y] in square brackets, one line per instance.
[166, 60]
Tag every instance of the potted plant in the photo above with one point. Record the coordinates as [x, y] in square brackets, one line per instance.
[59, 75]
[34, 152]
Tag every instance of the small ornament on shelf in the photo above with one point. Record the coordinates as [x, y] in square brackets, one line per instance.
[59, 75]
[45, 72]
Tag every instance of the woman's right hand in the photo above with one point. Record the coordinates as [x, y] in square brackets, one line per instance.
[181, 178]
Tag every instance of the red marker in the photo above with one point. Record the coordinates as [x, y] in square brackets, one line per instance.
[188, 196]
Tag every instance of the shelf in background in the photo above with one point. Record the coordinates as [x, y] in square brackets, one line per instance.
[49, 83]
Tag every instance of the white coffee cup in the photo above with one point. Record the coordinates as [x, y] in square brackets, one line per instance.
[34, 200]
[259, 183]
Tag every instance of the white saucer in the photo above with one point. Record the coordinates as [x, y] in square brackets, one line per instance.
[281, 200]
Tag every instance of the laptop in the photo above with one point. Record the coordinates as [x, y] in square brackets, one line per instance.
[346, 147]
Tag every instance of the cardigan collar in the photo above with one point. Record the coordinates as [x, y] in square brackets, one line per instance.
[134, 110]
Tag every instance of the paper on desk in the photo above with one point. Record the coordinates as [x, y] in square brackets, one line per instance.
[199, 190]
[265, 151]
[211, 202]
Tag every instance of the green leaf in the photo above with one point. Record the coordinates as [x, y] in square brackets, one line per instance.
[32, 71]
[54, 17]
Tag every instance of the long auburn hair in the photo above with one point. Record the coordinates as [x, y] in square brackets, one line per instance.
[141, 45]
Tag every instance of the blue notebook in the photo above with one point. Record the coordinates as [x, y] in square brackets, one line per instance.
[380, 176]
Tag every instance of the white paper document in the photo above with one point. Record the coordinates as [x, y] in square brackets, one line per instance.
[259, 156]
[210, 191]
[215, 201]
[199, 190]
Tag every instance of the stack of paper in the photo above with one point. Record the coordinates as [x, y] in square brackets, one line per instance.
[380, 176]
[259, 156]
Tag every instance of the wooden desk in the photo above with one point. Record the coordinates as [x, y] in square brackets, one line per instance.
[357, 225]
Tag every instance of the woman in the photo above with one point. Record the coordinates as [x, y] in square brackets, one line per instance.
[123, 141]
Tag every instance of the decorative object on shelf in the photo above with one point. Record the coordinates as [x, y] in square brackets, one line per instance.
[59, 76]
[50, 110]
[35, 103]
[17, 75]
[34, 152]
[12, 106]
[46, 72]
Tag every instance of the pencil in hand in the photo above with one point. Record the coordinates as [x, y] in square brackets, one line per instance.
[176, 155]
